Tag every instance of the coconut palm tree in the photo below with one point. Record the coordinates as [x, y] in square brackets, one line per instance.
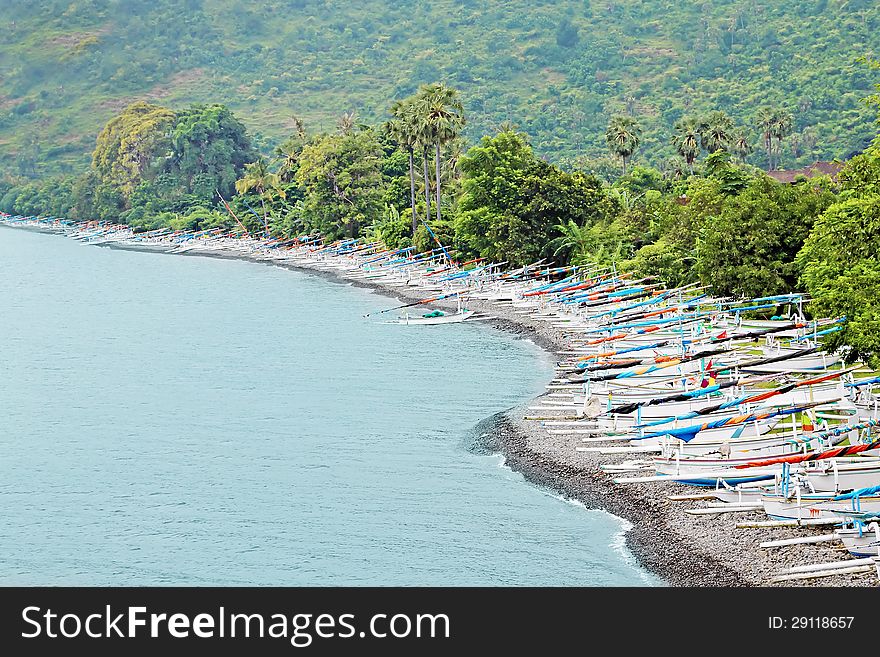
[404, 128]
[348, 122]
[717, 132]
[443, 115]
[288, 153]
[452, 153]
[258, 177]
[686, 140]
[623, 136]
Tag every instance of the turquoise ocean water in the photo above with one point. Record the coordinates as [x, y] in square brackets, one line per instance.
[184, 420]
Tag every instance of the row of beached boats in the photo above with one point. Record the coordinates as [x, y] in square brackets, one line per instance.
[736, 398]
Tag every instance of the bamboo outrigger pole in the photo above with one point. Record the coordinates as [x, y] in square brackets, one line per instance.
[415, 303]
[229, 210]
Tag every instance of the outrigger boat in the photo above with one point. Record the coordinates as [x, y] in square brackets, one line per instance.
[435, 317]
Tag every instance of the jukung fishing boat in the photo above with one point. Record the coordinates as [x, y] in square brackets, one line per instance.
[434, 317]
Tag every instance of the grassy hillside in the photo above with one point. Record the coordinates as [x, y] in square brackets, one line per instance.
[556, 68]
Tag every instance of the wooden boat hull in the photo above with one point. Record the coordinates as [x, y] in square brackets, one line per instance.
[431, 321]
[846, 476]
[817, 506]
[861, 543]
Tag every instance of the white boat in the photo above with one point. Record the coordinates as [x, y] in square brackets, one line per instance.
[843, 474]
[819, 505]
[861, 541]
[809, 362]
[833, 475]
[437, 317]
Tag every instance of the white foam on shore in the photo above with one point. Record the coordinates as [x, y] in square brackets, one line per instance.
[618, 542]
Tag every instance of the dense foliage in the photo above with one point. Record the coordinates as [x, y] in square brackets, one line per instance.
[559, 69]
[341, 182]
[749, 247]
[150, 161]
[514, 206]
[840, 266]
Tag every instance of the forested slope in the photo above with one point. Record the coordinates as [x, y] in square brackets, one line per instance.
[557, 69]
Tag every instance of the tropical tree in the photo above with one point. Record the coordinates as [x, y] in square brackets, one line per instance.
[775, 125]
[717, 132]
[210, 148]
[839, 259]
[257, 177]
[133, 145]
[347, 122]
[740, 145]
[782, 126]
[574, 242]
[841, 273]
[749, 247]
[158, 160]
[425, 139]
[404, 128]
[765, 124]
[513, 202]
[341, 181]
[687, 139]
[442, 118]
[623, 136]
[289, 151]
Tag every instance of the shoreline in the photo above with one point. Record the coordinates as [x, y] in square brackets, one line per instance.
[657, 549]
[680, 549]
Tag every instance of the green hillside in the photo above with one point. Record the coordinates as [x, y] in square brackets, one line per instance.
[558, 69]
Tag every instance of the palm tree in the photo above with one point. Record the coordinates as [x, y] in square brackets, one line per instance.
[258, 177]
[574, 243]
[776, 124]
[765, 123]
[740, 145]
[623, 136]
[717, 132]
[453, 153]
[809, 138]
[347, 122]
[796, 145]
[444, 119]
[404, 128]
[288, 153]
[672, 169]
[425, 139]
[687, 140]
[782, 126]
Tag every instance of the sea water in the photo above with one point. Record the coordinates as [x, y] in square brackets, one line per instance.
[188, 420]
